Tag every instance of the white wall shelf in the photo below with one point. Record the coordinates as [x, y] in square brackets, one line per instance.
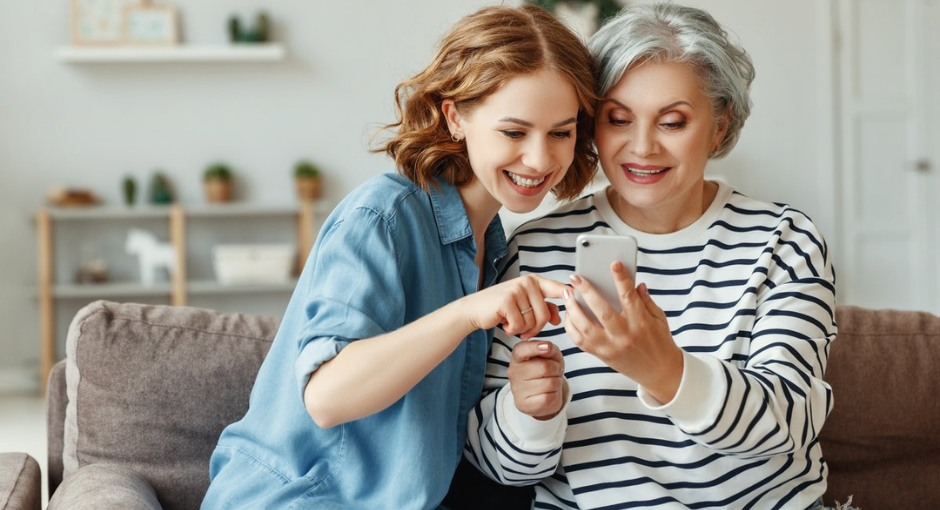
[269, 52]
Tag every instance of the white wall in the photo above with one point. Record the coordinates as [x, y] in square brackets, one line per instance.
[89, 125]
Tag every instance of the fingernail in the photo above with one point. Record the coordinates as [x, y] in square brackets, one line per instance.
[566, 294]
[618, 266]
[575, 279]
[543, 347]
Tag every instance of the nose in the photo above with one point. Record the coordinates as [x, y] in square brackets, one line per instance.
[644, 142]
[538, 156]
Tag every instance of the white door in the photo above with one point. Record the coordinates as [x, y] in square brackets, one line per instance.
[889, 87]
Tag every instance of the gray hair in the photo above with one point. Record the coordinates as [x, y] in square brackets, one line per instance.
[675, 33]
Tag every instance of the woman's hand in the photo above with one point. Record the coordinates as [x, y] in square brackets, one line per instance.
[637, 342]
[537, 379]
[518, 304]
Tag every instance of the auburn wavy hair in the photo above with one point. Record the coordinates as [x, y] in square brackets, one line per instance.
[481, 53]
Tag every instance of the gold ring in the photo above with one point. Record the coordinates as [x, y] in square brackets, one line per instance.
[527, 310]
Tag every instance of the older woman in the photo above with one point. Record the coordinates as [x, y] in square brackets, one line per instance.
[707, 390]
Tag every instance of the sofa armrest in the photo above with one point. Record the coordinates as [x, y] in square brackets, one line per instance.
[20, 482]
[56, 402]
[104, 487]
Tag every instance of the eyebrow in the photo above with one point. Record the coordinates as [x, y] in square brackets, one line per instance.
[661, 110]
[528, 124]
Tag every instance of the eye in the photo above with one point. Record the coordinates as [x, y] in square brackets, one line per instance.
[673, 122]
[615, 120]
[672, 126]
[561, 135]
[513, 134]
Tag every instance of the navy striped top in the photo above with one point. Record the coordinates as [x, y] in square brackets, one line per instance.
[749, 293]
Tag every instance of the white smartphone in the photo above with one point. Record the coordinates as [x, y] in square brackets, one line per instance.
[593, 256]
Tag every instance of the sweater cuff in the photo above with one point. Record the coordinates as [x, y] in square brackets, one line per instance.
[528, 432]
[699, 398]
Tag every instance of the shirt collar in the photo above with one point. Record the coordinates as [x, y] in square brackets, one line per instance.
[453, 224]
[452, 221]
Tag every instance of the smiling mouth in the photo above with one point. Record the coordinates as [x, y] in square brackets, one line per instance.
[524, 182]
[644, 172]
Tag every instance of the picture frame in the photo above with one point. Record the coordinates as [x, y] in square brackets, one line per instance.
[151, 25]
[98, 22]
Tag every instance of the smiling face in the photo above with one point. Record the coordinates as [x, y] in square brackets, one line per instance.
[520, 140]
[654, 133]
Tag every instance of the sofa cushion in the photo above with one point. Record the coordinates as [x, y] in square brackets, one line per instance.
[19, 482]
[150, 388]
[104, 487]
[881, 440]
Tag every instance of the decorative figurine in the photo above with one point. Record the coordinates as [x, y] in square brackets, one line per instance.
[151, 254]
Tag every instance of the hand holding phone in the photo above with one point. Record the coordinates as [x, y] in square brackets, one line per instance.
[593, 256]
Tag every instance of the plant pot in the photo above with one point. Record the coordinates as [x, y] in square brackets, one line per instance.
[218, 190]
[308, 188]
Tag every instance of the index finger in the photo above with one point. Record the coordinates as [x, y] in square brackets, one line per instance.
[551, 288]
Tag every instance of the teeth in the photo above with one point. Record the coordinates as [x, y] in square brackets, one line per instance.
[522, 181]
[637, 171]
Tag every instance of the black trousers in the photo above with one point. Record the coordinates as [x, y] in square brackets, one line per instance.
[472, 490]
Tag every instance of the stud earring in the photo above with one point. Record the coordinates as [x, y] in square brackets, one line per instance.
[456, 137]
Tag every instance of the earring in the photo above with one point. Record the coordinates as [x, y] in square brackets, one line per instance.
[456, 137]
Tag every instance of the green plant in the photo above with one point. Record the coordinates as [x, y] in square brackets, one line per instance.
[305, 168]
[160, 190]
[219, 171]
[605, 8]
[129, 187]
[258, 33]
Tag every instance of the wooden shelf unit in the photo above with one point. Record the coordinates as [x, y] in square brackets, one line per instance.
[179, 287]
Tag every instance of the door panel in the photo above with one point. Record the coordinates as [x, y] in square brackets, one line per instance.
[879, 45]
[887, 218]
[881, 270]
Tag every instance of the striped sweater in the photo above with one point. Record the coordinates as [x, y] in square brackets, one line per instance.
[748, 290]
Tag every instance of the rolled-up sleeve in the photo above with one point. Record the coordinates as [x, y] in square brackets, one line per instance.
[351, 288]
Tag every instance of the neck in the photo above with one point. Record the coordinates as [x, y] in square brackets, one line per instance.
[667, 218]
[481, 209]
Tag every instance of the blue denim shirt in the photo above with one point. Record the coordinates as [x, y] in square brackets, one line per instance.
[390, 253]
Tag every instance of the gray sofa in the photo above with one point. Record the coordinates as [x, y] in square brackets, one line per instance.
[135, 410]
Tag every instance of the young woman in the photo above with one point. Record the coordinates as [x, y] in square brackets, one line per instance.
[363, 398]
[707, 390]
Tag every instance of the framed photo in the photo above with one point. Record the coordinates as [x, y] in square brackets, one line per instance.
[150, 24]
[98, 22]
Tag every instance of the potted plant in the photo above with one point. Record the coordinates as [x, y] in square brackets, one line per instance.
[217, 180]
[307, 178]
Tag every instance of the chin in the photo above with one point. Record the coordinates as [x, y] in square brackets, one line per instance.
[520, 207]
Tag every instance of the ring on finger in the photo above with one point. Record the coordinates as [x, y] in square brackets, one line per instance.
[527, 310]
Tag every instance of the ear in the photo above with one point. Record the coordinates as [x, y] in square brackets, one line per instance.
[721, 129]
[451, 115]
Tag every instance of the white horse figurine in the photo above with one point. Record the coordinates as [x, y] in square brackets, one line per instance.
[151, 254]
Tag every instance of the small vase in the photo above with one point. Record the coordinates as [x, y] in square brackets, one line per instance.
[308, 188]
[218, 191]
